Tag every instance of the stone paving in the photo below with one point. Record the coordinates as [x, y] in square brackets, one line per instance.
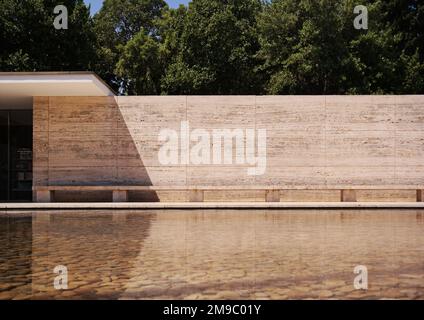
[213, 254]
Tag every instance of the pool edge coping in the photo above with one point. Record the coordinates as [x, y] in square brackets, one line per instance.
[210, 205]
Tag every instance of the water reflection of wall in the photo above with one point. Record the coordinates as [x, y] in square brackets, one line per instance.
[223, 254]
[213, 254]
[15, 256]
[97, 248]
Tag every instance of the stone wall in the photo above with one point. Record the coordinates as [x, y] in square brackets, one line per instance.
[313, 142]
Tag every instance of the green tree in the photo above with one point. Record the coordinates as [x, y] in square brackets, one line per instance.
[302, 46]
[116, 24]
[29, 41]
[311, 47]
[406, 20]
[223, 47]
[211, 48]
[140, 63]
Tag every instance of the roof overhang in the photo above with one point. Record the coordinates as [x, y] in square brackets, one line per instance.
[56, 84]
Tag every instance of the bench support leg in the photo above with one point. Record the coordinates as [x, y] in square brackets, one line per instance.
[120, 196]
[272, 196]
[196, 196]
[348, 196]
[420, 195]
[44, 196]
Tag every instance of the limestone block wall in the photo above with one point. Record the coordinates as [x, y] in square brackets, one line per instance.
[313, 142]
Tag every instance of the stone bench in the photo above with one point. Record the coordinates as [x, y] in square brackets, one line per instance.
[196, 193]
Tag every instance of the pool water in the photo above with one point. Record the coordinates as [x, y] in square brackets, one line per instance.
[212, 254]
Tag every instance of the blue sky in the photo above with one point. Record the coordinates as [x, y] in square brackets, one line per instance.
[97, 4]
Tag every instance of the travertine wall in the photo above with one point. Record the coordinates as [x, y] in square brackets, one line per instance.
[312, 141]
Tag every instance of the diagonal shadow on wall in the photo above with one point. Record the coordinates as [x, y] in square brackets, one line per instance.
[134, 142]
[91, 143]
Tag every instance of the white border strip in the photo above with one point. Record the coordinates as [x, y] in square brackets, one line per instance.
[212, 205]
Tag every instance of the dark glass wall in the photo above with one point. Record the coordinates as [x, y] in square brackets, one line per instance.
[20, 155]
[16, 155]
[4, 155]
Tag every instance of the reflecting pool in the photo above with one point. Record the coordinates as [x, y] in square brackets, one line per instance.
[212, 254]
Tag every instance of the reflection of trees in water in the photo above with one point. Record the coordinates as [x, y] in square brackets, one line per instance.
[15, 252]
[97, 248]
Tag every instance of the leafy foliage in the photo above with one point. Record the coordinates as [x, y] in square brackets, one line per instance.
[224, 46]
[214, 48]
[29, 42]
[116, 24]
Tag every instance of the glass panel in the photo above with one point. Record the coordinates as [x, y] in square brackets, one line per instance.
[21, 155]
[4, 137]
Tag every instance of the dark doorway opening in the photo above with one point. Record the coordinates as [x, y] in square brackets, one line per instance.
[16, 154]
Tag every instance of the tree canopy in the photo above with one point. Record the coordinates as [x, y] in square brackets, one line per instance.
[223, 47]
[29, 42]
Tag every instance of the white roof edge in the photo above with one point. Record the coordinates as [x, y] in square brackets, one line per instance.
[53, 84]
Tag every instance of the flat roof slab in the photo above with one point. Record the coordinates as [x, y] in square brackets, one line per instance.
[55, 84]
